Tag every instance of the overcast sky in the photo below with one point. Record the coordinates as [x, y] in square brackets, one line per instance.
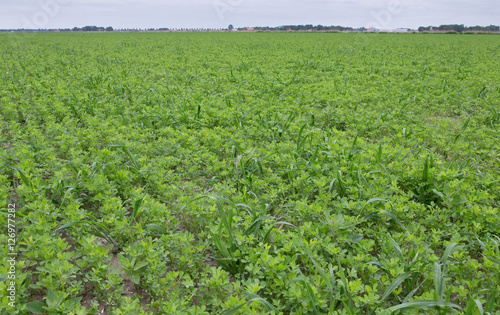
[221, 13]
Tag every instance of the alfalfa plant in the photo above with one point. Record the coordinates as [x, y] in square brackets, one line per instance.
[133, 267]
[55, 303]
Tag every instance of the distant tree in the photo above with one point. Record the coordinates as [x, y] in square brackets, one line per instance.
[491, 28]
[230, 27]
[451, 27]
[109, 29]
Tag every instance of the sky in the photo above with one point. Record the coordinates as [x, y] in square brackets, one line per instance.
[382, 14]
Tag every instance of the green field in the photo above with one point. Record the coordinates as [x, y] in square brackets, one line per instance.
[191, 173]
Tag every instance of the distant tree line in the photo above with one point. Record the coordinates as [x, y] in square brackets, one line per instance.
[306, 27]
[92, 29]
[459, 28]
[111, 29]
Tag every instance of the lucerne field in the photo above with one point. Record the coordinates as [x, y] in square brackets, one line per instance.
[249, 173]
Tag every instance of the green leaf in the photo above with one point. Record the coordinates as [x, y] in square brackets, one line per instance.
[234, 310]
[392, 216]
[438, 280]
[479, 306]
[372, 200]
[65, 226]
[54, 299]
[135, 278]
[158, 228]
[123, 261]
[101, 230]
[24, 177]
[36, 307]
[462, 130]
[141, 265]
[493, 260]
[253, 297]
[256, 221]
[266, 304]
[331, 185]
[440, 194]
[395, 246]
[449, 251]
[309, 292]
[350, 302]
[322, 274]
[137, 206]
[71, 304]
[131, 157]
[423, 304]
[411, 294]
[394, 285]
[191, 201]
[354, 238]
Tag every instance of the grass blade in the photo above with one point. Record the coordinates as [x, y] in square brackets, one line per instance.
[394, 285]
[424, 304]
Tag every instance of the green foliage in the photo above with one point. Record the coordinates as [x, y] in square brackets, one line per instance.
[255, 173]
